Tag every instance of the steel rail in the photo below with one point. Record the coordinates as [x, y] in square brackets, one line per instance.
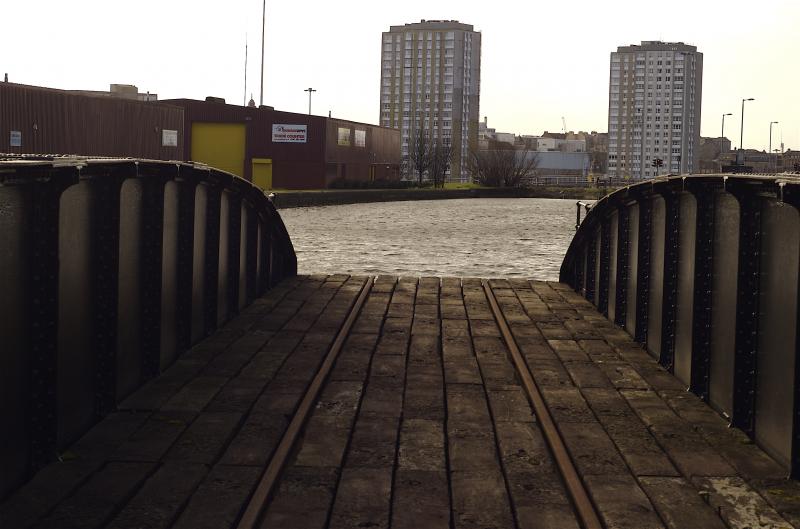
[580, 498]
[269, 479]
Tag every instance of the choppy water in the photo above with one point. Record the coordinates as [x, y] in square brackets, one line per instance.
[524, 237]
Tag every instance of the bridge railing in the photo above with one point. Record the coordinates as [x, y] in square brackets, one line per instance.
[703, 271]
[109, 270]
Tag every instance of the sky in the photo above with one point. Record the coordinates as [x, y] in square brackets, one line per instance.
[540, 61]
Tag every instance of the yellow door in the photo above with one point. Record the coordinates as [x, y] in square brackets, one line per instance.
[262, 173]
[220, 145]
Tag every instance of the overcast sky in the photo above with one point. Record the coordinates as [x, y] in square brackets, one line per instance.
[540, 60]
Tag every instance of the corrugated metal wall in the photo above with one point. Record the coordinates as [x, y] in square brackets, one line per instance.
[381, 148]
[56, 122]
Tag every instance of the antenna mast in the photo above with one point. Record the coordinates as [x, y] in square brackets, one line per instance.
[263, 28]
[244, 97]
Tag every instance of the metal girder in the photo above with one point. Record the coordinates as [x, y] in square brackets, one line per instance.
[234, 246]
[643, 268]
[621, 300]
[211, 273]
[187, 188]
[106, 187]
[251, 255]
[591, 264]
[42, 238]
[703, 277]
[747, 306]
[670, 289]
[605, 265]
[151, 269]
[791, 195]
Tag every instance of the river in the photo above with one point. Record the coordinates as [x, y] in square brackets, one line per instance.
[525, 237]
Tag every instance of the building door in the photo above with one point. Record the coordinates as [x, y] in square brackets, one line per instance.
[262, 173]
[220, 145]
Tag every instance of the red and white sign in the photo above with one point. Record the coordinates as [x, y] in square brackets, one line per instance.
[282, 133]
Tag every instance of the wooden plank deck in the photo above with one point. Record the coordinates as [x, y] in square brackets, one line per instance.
[422, 423]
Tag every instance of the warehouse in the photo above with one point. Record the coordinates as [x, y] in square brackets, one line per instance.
[35, 120]
[284, 150]
[274, 149]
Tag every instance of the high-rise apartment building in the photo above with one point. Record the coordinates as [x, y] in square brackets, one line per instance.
[430, 79]
[654, 100]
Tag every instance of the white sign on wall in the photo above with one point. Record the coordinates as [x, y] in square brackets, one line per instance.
[16, 138]
[283, 133]
[361, 138]
[169, 138]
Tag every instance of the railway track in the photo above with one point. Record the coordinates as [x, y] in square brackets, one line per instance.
[340, 402]
[584, 510]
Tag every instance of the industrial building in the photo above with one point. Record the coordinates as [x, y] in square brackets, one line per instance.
[285, 150]
[36, 120]
[274, 149]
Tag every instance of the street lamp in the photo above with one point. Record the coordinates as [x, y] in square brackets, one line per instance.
[741, 133]
[722, 140]
[309, 90]
[771, 123]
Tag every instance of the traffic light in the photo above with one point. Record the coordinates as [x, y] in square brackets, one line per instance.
[657, 162]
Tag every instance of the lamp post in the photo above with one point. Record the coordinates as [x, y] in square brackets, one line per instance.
[771, 165]
[722, 140]
[309, 90]
[741, 133]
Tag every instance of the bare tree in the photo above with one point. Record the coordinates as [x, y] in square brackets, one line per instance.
[441, 157]
[503, 166]
[420, 154]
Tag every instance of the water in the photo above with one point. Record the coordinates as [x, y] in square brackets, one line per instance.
[525, 237]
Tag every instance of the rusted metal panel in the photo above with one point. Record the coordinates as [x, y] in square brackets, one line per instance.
[57, 122]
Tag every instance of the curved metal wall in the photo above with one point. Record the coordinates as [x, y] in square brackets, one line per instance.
[685, 293]
[129, 343]
[723, 302]
[704, 274]
[15, 266]
[169, 276]
[110, 270]
[656, 271]
[780, 232]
